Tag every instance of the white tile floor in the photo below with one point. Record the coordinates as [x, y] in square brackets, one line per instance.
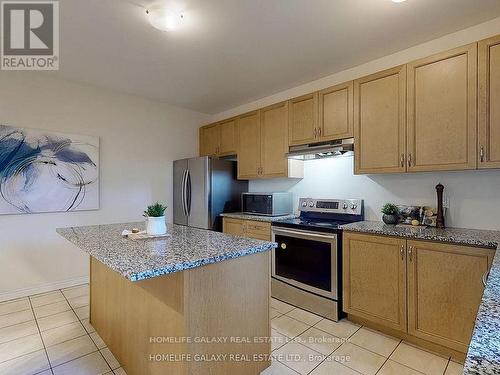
[49, 334]
[304, 343]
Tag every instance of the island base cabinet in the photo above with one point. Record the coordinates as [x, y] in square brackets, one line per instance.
[444, 291]
[425, 292]
[175, 324]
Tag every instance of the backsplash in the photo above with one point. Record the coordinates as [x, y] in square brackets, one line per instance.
[474, 196]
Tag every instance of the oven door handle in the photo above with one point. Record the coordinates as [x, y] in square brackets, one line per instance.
[293, 233]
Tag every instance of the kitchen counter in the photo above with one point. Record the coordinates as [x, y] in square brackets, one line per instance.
[136, 260]
[483, 357]
[269, 219]
[151, 299]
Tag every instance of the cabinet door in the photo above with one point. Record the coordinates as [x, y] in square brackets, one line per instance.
[336, 112]
[489, 103]
[233, 226]
[249, 145]
[274, 140]
[258, 230]
[374, 278]
[228, 140]
[303, 119]
[209, 140]
[442, 96]
[380, 122]
[444, 291]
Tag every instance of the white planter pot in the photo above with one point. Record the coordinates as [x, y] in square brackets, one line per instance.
[156, 226]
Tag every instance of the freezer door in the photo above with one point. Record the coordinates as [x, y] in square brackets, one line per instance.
[198, 193]
[180, 178]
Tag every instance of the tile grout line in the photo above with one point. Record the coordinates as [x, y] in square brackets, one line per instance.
[41, 338]
[346, 340]
[387, 359]
[88, 334]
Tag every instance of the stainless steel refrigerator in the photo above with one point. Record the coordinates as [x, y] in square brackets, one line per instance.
[203, 189]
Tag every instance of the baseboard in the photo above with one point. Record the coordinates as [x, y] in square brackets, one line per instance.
[6, 296]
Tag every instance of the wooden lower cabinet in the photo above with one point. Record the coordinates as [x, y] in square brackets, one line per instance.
[258, 230]
[375, 279]
[233, 226]
[444, 291]
[428, 292]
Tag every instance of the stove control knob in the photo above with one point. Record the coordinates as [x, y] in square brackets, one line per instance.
[354, 206]
[304, 204]
[345, 206]
[311, 204]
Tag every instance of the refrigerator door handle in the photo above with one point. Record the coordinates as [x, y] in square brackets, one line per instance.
[188, 200]
[183, 190]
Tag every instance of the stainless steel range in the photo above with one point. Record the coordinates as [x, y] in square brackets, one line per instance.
[307, 265]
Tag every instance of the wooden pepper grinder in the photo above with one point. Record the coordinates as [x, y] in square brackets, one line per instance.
[440, 215]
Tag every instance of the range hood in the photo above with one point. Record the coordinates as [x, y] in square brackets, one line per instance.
[341, 147]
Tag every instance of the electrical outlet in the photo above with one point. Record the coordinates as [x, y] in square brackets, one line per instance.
[446, 201]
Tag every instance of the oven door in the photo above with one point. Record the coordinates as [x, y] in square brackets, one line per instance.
[307, 260]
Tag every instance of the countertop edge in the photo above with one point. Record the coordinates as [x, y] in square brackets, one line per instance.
[202, 262]
[266, 219]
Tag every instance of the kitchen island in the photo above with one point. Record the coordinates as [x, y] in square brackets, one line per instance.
[195, 302]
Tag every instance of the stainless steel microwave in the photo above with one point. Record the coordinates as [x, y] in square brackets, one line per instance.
[267, 204]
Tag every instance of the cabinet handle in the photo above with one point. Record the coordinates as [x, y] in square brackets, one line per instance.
[410, 253]
[485, 277]
[481, 154]
[402, 252]
[402, 160]
[315, 132]
[409, 159]
[319, 132]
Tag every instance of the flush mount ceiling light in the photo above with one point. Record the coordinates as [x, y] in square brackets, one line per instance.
[164, 19]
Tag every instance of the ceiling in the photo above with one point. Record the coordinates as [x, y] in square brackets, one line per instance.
[230, 52]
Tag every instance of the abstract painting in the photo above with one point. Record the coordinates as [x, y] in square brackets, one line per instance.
[42, 171]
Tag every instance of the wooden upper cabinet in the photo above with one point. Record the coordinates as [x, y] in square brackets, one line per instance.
[442, 125]
[219, 139]
[444, 291]
[303, 119]
[249, 143]
[336, 112]
[374, 278]
[209, 140]
[489, 103]
[228, 137]
[274, 140]
[380, 122]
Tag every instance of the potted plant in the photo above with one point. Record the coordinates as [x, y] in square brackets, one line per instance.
[391, 213]
[155, 215]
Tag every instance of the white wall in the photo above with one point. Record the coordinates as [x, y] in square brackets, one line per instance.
[139, 140]
[474, 195]
[457, 39]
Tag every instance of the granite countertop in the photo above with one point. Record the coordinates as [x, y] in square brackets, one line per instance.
[136, 260]
[483, 357]
[270, 219]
